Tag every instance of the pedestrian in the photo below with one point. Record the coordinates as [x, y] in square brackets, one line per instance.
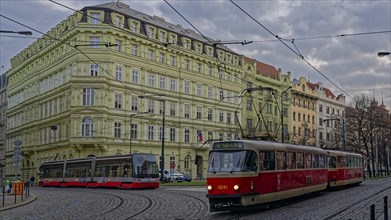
[32, 179]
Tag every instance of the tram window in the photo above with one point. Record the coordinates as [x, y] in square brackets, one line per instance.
[300, 160]
[308, 158]
[267, 160]
[281, 160]
[332, 162]
[315, 161]
[291, 160]
[341, 161]
[126, 170]
[322, 161]
[114, 171]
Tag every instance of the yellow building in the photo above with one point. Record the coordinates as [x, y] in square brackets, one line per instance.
[110, 80]
[304, 124]
[265, 104]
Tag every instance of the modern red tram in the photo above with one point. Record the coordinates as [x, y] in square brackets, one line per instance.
[345, 168]
[242, 173]
[131, 171]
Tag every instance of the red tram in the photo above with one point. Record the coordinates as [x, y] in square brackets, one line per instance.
[243, 173]
[132, 171]
[345, 168]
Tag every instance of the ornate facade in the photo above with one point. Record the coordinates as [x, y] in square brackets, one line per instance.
[102, 81]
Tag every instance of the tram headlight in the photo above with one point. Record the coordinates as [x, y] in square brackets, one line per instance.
[236, 187]
[209, 187]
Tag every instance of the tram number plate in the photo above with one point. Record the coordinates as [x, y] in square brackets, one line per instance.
[220, 187]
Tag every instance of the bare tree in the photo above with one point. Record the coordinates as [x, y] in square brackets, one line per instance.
[365, 125]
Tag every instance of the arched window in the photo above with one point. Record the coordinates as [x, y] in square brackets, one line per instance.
[87, 127]
[187, 162]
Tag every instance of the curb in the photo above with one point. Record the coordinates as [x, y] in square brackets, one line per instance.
[32, 198]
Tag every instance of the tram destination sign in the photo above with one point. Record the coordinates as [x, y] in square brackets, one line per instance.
[228, 145]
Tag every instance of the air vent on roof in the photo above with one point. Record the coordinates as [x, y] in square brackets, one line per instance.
[170, 26]
[145, 17]
[158, 18]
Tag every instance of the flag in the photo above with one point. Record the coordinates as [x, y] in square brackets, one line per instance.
[199, 136]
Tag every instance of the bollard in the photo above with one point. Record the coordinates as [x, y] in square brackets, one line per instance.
[385, 208]
[3, 196]
[372, 215]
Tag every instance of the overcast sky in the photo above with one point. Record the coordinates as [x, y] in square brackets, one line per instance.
[345, 64]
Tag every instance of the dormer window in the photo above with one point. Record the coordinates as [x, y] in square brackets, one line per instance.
[186, 44]
[118, 21]
[210, 51]
[95, 18]
[134, 25]
[162, 36]
[150, 32]
[172, 39]
[198, 48]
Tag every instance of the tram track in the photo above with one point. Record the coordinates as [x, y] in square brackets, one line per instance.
[203, 209]
[357, 204]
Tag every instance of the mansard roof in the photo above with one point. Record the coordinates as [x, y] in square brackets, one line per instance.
[156, 21]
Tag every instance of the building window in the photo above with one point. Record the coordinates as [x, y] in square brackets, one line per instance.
[151, 106]
[162, 57]
[151, 80]
[134, 26]
[94, 42]
[88, 96]
[117, 129]
[229, 120]
[221, 117]
[199, 90]
[150, 54]
[87, 127]
[172, 60]
[118, 101]
[221, 95]
[187, 87]
[198, 113]
[134, 49]
[118, 73]
[95, 18]
[134, 103]
[173, 109]
[210, 70]
[187, 136]
[320, 108]
[198, 67]
[173, 85]
[162, 82]
[135, 75]
[150, 132]
[186, 64]
[161, 107]
[133, 131]
[94, 69]
[118, 21]
[172, 134]
[118, 45]
[210, 114]
[187, 111]
[210, 92]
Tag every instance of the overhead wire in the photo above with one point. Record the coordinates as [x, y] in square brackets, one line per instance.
[295, 52]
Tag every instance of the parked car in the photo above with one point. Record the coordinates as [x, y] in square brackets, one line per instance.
[172, 176]
[187, 178]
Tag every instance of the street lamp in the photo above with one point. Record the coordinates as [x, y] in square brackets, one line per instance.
[162, 136]
[282, 115]
[27, 33]
[131, 131]
[382, 54]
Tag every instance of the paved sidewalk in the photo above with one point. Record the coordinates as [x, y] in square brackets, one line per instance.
[9, 201]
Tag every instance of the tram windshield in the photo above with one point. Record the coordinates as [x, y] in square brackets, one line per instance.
[232, 161]
[145, 166]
